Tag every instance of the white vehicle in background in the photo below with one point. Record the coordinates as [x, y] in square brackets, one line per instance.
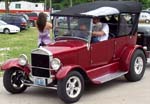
[7, 28]
[145, 17]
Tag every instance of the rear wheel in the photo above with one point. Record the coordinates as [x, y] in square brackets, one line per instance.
[6, 31]
[32, 24]
[13, 81]
[137, 66]
[70, 89]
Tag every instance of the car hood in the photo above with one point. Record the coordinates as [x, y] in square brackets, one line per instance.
[62, 46]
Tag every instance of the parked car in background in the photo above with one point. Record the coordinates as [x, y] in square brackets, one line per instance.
[48, 16]
[32, 18]
[144, 36]
[145, 17]
[7, 28]
[25, 17]
[15, 20]
[0, 16]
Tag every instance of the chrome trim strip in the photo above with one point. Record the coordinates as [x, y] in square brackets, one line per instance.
[43, 49]
[40, 68]
[50, 53]
[71, 37]
[54, 88]
[109, 77]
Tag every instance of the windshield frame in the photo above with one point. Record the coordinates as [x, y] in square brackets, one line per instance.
[70, 37]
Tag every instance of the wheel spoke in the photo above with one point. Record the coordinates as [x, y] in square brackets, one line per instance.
[68, 89]
[74, 81]
[69, 82]
[16, 79]
[72, 92]
[77, 88]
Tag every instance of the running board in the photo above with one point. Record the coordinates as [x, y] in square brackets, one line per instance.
[109, 77]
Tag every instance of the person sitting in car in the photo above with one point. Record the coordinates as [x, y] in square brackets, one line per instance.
[100, 31]
[82, 32]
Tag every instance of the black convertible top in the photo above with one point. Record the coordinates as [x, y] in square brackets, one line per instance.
[91, 9]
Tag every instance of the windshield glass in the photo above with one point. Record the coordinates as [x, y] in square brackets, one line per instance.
[3, 23]
[72, 27]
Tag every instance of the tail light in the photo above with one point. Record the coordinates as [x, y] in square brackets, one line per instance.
[23, 24]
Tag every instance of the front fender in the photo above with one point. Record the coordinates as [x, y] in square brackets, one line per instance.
[14, 63]
[127, 56]
[62, 73]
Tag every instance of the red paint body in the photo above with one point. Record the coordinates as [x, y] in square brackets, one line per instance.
[14, 63]
[100, 59]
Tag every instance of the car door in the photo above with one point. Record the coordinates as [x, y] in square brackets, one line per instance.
[12, 20]
[1, 27]
[102, 52]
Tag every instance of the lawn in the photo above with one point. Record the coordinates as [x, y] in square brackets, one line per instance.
[12, 45]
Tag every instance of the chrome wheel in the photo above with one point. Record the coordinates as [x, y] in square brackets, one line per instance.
[73, 87]
[17, 79]
[138, 65]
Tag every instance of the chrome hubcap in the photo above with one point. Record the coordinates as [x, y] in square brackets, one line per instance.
[138, 65]
[16, 79]
[73, 87]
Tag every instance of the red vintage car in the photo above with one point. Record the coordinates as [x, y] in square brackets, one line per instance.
[73, 59]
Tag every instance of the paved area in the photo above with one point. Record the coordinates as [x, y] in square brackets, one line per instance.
[118, 91]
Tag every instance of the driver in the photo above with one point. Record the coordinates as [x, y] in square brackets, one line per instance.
[82, 32]
[100, 31]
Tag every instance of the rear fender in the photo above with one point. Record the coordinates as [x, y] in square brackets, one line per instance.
[62, 73]
[14, 63]
[127, 56]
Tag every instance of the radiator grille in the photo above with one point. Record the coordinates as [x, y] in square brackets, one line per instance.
[40, 65]
[40, 72]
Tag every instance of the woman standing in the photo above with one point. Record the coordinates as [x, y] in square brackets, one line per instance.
[44, 29]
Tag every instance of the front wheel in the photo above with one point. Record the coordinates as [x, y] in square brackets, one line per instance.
[137, 66]
[13, 81]
[6, 31]
[147, 21]
[70, 89]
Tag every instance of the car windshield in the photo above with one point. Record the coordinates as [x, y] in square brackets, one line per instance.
[72, 28]
[3, 23]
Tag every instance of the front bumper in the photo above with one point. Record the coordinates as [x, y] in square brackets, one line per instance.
[14, 31]
[49, 85]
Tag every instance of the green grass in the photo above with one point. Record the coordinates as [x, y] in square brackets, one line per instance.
[12, 45]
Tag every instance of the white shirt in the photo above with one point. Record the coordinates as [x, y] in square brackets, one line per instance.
[102, 27]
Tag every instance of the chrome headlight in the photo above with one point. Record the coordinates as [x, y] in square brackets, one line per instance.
[55, 63]
[23, 60]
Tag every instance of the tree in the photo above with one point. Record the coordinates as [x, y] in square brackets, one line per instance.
[146, 3]
[7, 6]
